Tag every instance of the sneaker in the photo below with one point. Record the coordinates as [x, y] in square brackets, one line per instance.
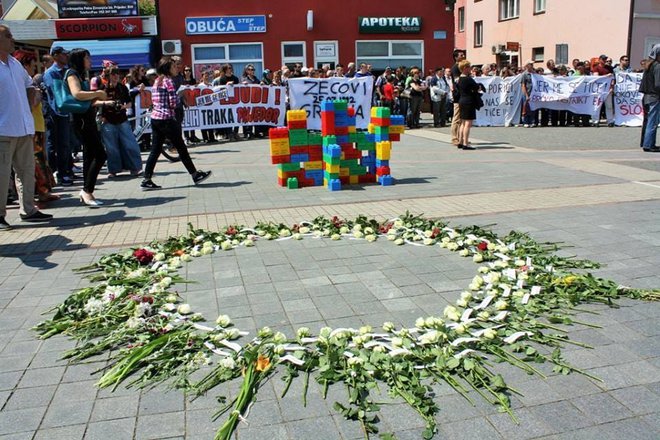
[4, 226]
[66, 181]
[36, 216]
[200, 176]
[76, 169]
[149, 185]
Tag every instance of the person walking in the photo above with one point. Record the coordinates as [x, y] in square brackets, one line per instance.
[16, 133]
[468, 90]
[85, 126]
[650, 87]
[164, 125]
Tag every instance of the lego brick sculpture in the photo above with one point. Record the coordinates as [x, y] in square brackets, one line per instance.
[340, 154]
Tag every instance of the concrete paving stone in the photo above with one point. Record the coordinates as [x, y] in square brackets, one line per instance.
[645, 327]
[63, 433]
[536, 392]
[275, 432]
[19, 348]
[293, 295]
[28, 435]
[41, 376]
[454, 408]
[470, 429]
[22, 420]
[75, 391]
[572, 385]
[601, 407]
[198, 423]
[528, 426]
[561, 416]
[321, 428]
[156, 426]
[652, 420]
[399, 304]
[633, 429]
[638, 399]
[15, 363]
[22, 398]
[619, 333]
[67, 413]
[266, 307]
[298, 304]
[118, 429]
[157, 401]
[112, 408]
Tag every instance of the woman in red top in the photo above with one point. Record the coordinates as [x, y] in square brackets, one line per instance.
[388, 93]
[164, 125]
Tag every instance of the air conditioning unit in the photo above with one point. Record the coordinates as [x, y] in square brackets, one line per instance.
[498, 49]
[171, 47]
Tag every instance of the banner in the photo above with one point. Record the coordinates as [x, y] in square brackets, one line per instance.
[308, 93]
[628, 108]
[583, 95]
[229, 106]
[502, 101]
[96, 8]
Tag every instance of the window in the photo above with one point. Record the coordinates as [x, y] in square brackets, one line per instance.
[539, 6]
[381, 54]
[509, 9]
[478, 33]
[461, 19]
[293, 52]
[213, 56]
[561, 54]
[537, 54]
[325, 52]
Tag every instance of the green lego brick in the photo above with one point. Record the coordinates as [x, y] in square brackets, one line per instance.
[382, 112]
[331, 160]
[315, 138]
[381, 130]
[358, 171]
[294, 166]
[341, 105]
[292, 183]
[348, 163]
[329, 140]
[330, 176]
[352, 137]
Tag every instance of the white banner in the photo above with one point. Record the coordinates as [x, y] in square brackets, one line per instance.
[583, 95]
[628, 108]
[308, 93]
[242, 105]
[502, 101]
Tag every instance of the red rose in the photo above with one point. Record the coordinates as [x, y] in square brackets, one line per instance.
[143, 256]
[435, 232]
[148, 299]
[231, 231]
[482, 246]
[385, 228]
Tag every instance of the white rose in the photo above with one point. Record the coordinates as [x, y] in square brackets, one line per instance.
[519, 263]
[501, 305]
[391, 231]
[343, 230]
[279, 338]
[398, 224]
[490, 333]
[166, 282]
[464, 253]
[226, 245]
[195, 253]
[159, 256]
[365, 329]
[184, 309]
[302, 332]
[357, 227]
[335, 237]
[388, 326]
[232, 333]
[368, 230]
[358, 234]
[303, 230]
[223, 321]
[452, 246]
[391, 237]
[186, 257]
[460, 329]
[370, 238]
[450, 312]
[207, 244]
[268, 236]
[265, 332]
[297, 236]
[398, 241]
[397, 342]
[248, 243]
[483, 316]
[229, 363]
[172, 298]
[354, 361]
[429, 241]
[483, 269]
[478, 258]
[169, 307]
[491, 246]
[420, 323]
[461, 303]
[285, 233]
[207, 250]
[428, 233]
[261, 233]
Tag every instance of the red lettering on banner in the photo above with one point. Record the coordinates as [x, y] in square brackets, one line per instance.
[254, 115]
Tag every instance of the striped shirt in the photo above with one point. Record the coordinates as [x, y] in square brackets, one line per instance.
[163, 97]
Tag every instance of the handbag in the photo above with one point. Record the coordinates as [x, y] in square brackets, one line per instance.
[65, 101]
[405, 93]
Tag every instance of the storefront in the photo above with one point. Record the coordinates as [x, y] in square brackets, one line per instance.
[269, 34]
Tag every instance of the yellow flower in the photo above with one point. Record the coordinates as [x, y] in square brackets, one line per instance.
[263, 363]
[570, 279]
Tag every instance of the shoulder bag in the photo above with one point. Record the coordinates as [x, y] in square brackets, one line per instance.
[65, 101]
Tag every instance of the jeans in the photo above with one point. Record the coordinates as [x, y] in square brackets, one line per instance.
[58, 145]
[439, 111]
[170, 129]
[651, 127]
[121, 147]
[93, 152]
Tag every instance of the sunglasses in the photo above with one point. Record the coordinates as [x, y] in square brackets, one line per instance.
[187, 70]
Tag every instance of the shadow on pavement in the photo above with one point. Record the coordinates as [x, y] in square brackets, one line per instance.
[223, 184]
[90, 220]
[35, 253]
[413, 180]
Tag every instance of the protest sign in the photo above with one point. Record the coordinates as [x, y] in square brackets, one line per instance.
[628, 108]
[308, 93]
[233, 106]
[583, 95]
[502, 101]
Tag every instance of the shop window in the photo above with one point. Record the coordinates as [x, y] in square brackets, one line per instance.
[509, 9]
[537, 54]
[478, 33]
[213, 56]
[293, 52]
[381, 54]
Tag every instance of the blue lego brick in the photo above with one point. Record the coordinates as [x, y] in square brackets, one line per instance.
[299, 158]
[396, 120]
[314, 174]
[381, 137]
[327, 106]
[342, 139]
[370, 137]
[379, 162]
[368, 161]
[334, 185]
[334, 150]
[386, 180]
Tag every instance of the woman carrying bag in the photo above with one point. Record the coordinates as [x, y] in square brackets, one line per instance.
[469, 102]
[164, 125]
[85, 123]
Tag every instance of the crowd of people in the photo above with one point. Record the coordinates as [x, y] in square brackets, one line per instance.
[40, 142]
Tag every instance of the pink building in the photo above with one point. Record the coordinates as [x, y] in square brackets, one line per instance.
[516, 31]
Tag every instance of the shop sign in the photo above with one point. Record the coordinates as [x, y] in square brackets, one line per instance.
[89, 9]
[389, 25]
[230, 24]
[98, 28]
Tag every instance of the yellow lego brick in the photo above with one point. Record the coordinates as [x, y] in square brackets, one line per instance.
[383, 150]
[374, 112]
[314, 165]
[296, 115]
[333, 168]
[325, 182]
[344, 172]
[279, 150]
[397, 129]
[353, 179]
[370, 128]
[280, 173]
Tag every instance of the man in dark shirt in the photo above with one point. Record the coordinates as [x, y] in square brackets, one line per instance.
[650, 87]
[459, 55]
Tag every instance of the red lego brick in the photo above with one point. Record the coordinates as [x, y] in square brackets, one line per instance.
[345, 180]
[395, 137]
[296, 124]
[341, 131]
[280, 159]
[380, 122]
[382, 171]
[315, 155]
[300, 149]
[281, 181]
[278, 133]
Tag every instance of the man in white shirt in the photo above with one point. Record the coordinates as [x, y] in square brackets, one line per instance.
[16, 133]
